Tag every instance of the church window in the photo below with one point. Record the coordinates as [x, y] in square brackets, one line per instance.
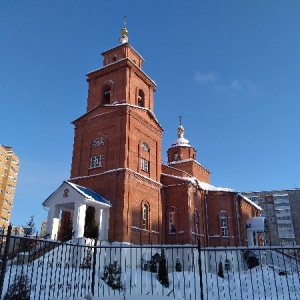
[98, 142]
[145, 216]
[176, 155]
[96, 161]
[172, 219]
[145, 165]
[141, 98]
[106, 95]
[145, 146]
[224, 224]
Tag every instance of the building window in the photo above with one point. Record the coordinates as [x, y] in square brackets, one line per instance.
[98, 142]
[172, 220]
[224, 225]
[96, 161]
[141, 99]
[145, 216]
[145, 165]
[106, 96]
[176, 156]
[145, 147]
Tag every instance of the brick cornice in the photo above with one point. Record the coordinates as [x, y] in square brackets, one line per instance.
[123, 63]
[127, 172]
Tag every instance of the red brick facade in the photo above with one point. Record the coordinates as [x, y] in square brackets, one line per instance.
[117, 153]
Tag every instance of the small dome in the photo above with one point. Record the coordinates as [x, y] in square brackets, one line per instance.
[181, 141]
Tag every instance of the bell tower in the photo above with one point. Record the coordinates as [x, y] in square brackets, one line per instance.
[182, 155]
[117, 145]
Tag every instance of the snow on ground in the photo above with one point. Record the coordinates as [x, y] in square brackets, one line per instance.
[258, 283]
[53, 279]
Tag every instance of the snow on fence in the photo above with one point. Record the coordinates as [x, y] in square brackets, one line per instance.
[43, 269]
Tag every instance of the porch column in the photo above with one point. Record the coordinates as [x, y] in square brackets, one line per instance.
[102, 219]
[79, 220]
[53, 214]
[98, 219]
[105, 225]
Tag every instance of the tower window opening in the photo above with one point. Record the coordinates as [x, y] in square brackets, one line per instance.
[141, 99]
[106, 96]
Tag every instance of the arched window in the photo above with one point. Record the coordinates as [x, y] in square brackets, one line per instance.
[145, 216]
[141, 99]
[106, 95]
[145, 147]
[176, 156]
[224, 224]
[172, 219]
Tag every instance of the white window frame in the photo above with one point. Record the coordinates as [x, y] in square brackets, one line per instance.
[145, 216]
[172, 221]
[224, 226]
[145, 165]
[96, 161]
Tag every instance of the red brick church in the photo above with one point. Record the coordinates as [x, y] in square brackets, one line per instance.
[118, 178]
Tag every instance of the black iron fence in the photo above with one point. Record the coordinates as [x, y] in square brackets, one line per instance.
[42, 269]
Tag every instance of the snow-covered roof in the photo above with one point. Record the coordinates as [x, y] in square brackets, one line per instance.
[183, 161]
[249, 201]
[208, 187]
[79, 193]
[181, 142]
[89, 194]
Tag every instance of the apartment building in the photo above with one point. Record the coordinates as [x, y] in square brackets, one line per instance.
[281, 208]
[9, 168]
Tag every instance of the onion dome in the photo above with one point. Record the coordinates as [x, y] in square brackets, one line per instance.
[124, 38]
[181, 141]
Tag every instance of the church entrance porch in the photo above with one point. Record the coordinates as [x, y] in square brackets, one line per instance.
[85, 213]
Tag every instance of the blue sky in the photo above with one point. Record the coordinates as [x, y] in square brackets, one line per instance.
[230, 68]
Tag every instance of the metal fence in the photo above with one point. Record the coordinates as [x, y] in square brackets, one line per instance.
[43, 269]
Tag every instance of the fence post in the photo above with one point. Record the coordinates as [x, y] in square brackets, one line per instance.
[94, 266]
[200, 270]
[4, 259]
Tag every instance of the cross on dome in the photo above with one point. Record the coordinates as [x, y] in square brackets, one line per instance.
[180, 130]
[181, 141]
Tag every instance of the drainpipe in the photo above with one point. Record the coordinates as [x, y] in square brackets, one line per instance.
[236, 197]
[206, 218]
[190, 215]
